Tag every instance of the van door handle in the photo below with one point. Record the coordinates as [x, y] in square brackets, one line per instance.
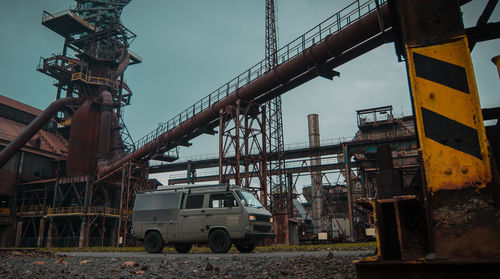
[208, 215]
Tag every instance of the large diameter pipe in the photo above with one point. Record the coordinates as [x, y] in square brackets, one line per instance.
[34, 127]
[332, 46]
[316, 176]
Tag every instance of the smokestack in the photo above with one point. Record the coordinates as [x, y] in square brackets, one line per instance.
[316, 177]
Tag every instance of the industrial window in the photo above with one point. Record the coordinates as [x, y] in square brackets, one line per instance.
[194, 201]
[222, 200]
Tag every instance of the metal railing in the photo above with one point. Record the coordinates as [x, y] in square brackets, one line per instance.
[331, 25]
[95, 80]
[78, 210]
[4, 211]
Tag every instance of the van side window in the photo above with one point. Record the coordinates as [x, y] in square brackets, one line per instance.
[222, 200]
[194, 201]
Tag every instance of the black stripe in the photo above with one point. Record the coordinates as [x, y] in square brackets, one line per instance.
[451, 133]
[441, 72]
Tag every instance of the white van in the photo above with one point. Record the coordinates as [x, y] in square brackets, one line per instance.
[218, 214]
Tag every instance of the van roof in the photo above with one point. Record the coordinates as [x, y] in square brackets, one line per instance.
[196, 188]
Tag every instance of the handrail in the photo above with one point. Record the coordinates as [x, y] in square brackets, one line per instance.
[329, 26]
[4, 211]
[79, 210]
[95, 80]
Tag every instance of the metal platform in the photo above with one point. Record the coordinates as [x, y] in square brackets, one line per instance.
[66, 23]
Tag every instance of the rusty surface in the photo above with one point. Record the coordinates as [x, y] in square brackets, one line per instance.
[426, 21]
[334, 45]
[49, 142]
[466, 224]
[34, 127]
[8, 182]
[281, 228]
[19, 106]
[83, 140]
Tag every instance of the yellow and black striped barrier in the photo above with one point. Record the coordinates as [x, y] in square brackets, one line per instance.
[448, 115]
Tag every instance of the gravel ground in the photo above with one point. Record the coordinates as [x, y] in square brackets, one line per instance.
[14, 264]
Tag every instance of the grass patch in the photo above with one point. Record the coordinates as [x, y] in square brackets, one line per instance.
[205, 249]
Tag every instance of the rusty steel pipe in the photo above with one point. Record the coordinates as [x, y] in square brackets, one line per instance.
[124, 60]
[332, 46]
[34, 127]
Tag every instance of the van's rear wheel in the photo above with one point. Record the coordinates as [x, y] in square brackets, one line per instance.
[153, 242]
[183, 248]
[219, 241]
[245, 248]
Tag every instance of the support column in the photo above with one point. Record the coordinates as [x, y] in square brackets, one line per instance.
[49, 233]
[83, 227]
[450, 130]
[19, 233]
[41, 232]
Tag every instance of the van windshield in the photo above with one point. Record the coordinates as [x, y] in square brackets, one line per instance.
[249, 200]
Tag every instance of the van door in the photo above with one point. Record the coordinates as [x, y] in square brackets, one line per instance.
[224, 210]
[173, 221]
[192, 218]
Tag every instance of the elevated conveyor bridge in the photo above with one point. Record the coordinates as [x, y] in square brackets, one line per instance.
[347, 34]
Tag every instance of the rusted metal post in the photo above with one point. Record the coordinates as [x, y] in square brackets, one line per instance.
[84, 224]
[127, 203]
[121, 209]
[289, 183]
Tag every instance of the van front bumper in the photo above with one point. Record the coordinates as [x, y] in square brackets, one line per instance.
[259, 235]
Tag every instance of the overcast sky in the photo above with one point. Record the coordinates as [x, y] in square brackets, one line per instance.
[189, 48]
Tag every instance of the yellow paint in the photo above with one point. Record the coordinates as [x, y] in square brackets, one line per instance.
[445, 167]
[64, 123]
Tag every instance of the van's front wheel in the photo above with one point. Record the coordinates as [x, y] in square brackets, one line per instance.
[153, 242]
[219, 241]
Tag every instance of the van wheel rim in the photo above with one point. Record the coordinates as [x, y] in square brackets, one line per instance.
[220, 241]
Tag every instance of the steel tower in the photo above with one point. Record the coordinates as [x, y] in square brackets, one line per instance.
[274, 119]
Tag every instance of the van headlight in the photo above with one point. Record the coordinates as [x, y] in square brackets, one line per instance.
[271, 219]
[251, 218]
